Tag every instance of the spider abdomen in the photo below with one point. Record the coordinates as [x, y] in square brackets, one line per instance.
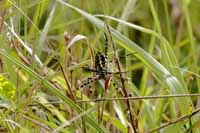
[101, 64]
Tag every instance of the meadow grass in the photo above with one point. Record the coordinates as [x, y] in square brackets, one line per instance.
[153, 61]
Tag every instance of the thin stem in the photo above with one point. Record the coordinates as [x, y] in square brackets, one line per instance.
[122, 81]
[68, 83]
[139, 98]
[180, 119]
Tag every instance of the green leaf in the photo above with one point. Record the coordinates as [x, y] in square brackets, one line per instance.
[7, 89]
[172, 82]
[93, 123]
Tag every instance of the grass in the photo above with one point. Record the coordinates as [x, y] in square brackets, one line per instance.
[156, 45]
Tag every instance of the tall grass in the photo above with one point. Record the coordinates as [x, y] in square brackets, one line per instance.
[45, 44]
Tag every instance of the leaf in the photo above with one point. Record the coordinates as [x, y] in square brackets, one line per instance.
[7, 89]
[93, 123]
[173, 83]
[75, 39]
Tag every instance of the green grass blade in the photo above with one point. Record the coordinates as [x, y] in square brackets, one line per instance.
[51, 88]
[160, 70]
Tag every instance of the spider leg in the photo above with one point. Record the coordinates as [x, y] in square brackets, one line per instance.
[88, 81]
[106, 45]
[117, 88]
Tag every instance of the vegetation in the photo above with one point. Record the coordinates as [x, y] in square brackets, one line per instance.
[99, 66]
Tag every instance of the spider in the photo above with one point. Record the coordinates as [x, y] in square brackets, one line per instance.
[100, 67]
